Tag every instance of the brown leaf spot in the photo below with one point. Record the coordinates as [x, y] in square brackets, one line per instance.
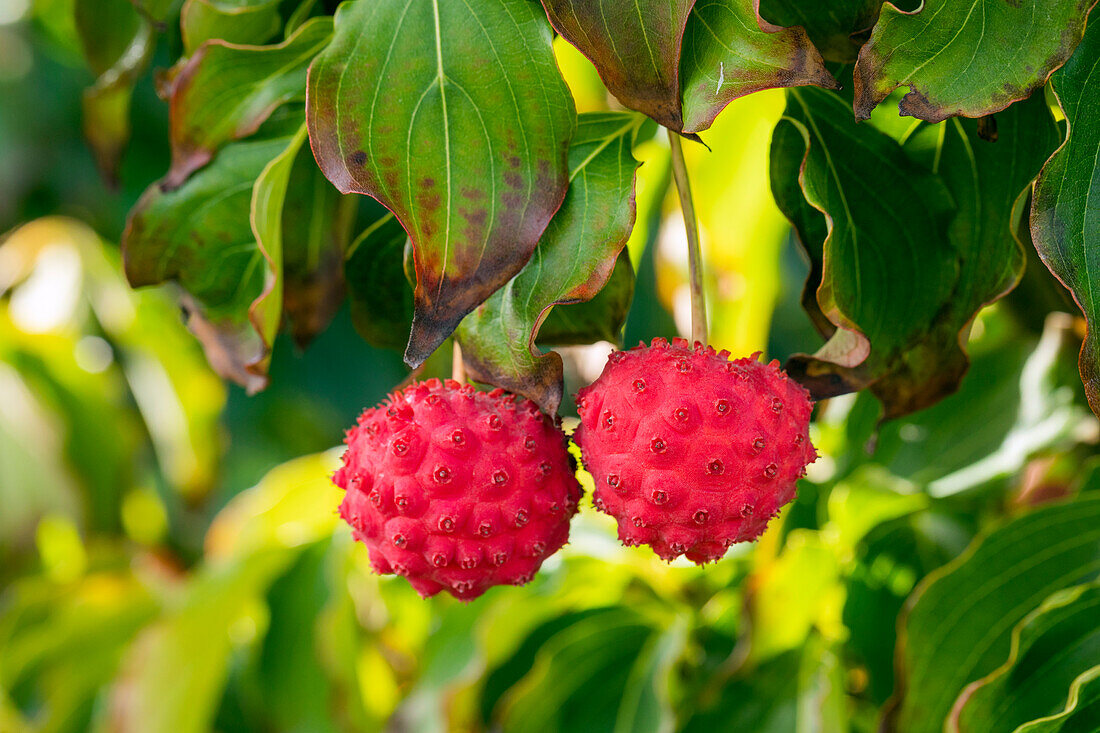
[513, 180]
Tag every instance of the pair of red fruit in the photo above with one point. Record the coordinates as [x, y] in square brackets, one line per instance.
[461, 490]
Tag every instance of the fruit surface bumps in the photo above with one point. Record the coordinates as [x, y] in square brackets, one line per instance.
[456, 489]
[691, 452]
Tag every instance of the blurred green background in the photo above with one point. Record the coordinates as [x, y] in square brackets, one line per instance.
[171, 559]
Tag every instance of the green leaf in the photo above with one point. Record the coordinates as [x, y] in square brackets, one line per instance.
[175, 672]
[1064, 217]
[381, 297]
[157, 10]
[295, 692]
[1042, 414]
[959, 620]
[645, 704]
[224, 92]
[830, 25]
[233, 21]
[682, 62]
[556, 693]
[1082, 708]
[1052, 646]
[118, 44]
[268, 195]
[762, 701]
[634, 46]
[885, 279]
[317, 222]
[966, 57]
[574, 259]
[988, 180]
[62, 643]
[599, 319]
[822, 698]
[869, 497]
[106, 29]
[200, 235]
[730, 51]
[455, 117]
[499, 678]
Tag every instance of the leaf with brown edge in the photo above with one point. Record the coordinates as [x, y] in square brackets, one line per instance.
[987, 181]
[635, 46]
[831, 25]
[1064, 222]
[682, 62]
[455, 117]
[888, 267]
[730, 51]
[966, 57]
[224, 92]
[317, 224]
[573, 261]
[599, 319]
[201, 236]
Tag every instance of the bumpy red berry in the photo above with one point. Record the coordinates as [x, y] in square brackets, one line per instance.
[689, 451]
[456, 489]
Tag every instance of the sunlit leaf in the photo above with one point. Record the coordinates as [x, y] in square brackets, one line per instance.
[682, 62]
[462, 133]
[61, 643]
[175, 671]
[266, 218]
[795, 593]
[966, 57]
[729, 51]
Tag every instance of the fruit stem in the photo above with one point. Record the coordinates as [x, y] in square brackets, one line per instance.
[691, 226]
[458, 367]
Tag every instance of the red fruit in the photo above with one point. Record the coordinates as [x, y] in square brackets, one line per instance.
[690, 452]
[456, 489]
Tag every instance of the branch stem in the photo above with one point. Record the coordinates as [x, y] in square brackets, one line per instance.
[691, 226]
